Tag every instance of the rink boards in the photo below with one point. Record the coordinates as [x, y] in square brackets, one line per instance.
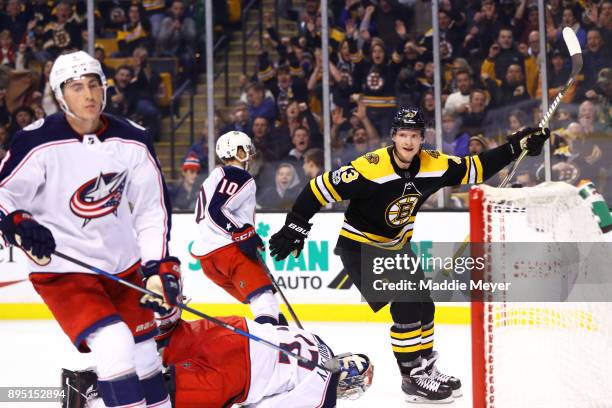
[304, 280]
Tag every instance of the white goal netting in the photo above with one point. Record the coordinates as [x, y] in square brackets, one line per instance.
[543, 353]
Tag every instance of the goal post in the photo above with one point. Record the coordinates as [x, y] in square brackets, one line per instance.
[537, 353]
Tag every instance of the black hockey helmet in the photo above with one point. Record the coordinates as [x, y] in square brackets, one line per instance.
[408, 118]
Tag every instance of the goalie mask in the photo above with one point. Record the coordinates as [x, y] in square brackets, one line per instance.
[356, 373]
[228, 144]
[74, 65]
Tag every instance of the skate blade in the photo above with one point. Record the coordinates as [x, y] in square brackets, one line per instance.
[416, 399]
[457, 393]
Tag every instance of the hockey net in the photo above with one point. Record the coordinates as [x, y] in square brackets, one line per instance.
[538, 354]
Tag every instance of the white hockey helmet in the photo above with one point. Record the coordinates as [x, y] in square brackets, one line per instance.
[74, 65]
[228, 144]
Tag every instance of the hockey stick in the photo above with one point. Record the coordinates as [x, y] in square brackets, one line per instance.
[278, 289]
[573, 46]
[571, 41]
[212, 319]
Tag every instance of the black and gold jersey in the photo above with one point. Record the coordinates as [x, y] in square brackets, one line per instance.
[385, 199]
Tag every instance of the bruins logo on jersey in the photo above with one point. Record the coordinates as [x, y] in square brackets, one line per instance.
[433, 153]
[372, 158]
[399, 211]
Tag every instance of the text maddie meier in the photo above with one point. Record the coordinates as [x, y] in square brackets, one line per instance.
[452, 285]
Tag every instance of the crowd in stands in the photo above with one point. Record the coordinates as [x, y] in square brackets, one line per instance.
[378, 61]
[34, 33]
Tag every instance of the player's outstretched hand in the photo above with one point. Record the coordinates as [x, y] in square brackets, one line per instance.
[530, 139]
[248, 241]
[290, 238]
[164, 278]
[20, 229]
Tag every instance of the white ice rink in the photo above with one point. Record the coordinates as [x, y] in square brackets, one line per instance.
[33, 352]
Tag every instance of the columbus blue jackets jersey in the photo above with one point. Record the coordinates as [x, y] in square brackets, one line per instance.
[102, 195]
[281, 381]
[226, 202]
[385, 199]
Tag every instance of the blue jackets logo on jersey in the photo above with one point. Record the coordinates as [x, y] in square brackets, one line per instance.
[99, 196]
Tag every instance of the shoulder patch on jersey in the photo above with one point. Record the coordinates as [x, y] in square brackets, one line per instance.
[433, 153]
[35, 125]
[136, 125]
[433, 163]
[380, 171]
[372, 158]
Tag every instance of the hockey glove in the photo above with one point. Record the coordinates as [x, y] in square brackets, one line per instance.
[531, 139]
[248, 241]
[164, 278]
[290, 238]
[20, 229]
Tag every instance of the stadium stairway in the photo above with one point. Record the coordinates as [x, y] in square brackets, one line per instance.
[286, 28]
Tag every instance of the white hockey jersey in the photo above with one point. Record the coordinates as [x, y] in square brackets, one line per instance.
[226, 202]
[102, 195]
[278, 381]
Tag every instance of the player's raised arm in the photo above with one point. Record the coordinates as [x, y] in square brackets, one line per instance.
[478, 168]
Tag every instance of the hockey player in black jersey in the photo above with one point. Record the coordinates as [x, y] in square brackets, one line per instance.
[386, 188]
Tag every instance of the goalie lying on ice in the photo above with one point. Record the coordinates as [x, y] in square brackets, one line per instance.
[209, 366]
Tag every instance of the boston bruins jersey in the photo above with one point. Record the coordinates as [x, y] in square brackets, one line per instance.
[385, 199]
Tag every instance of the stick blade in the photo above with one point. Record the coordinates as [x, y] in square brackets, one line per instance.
[573, 46]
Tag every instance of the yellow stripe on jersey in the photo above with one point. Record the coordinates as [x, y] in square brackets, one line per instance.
[466, 176]
[330, 187]
[360, 238]
[478, 166]
[317, 193]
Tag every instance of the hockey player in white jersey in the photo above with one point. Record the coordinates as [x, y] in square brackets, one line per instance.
[212, 367]
[228, 243]
[90, 184]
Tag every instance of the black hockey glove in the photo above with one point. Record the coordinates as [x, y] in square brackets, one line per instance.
[164, 278]
[290, 238]
[531, 139]
[20, 229]
[248, 241]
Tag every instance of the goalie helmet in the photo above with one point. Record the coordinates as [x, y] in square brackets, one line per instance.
[228, 144]
[74, 65]
[356, 373]
[408, 118]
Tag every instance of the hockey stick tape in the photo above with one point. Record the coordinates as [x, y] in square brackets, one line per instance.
[573, 46]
